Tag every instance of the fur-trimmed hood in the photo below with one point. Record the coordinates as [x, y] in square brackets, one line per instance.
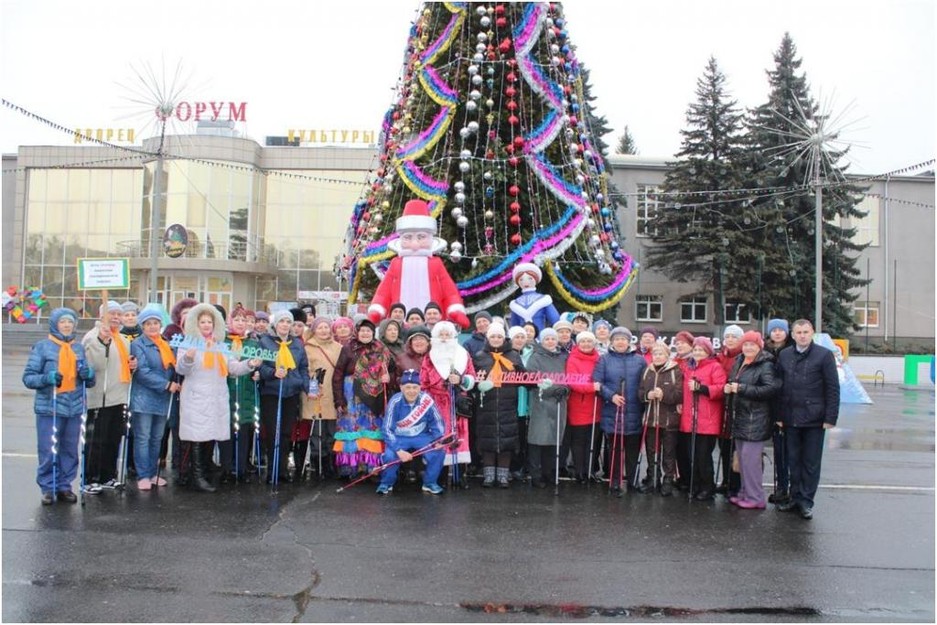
[191, 321]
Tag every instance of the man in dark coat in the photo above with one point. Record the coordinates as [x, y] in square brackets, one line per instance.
[810, 406]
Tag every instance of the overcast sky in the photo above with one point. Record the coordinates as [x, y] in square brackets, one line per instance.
[318, 65]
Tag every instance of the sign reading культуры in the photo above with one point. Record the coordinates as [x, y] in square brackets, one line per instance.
[103, 273]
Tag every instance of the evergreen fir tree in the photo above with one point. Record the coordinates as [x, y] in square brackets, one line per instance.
[491, 125]
[780, 164]
[626, 144]
[696, 236]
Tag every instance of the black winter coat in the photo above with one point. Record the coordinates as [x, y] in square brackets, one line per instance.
[751, 406]
[810, 391]
[496, 412]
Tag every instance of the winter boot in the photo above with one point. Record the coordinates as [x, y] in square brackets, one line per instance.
[489, 473]
[197, 476]
[666, 487]
[504, 477]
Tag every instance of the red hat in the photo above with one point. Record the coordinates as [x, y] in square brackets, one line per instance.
[416, 217]
[754, 337]
[684, 336]
[705, 343]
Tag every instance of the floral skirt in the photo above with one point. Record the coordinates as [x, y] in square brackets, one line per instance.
[359, 439]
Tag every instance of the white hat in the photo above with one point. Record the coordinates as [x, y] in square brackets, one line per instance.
[495, 329]
[416, 217]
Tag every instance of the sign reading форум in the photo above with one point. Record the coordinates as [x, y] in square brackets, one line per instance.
[103, 273]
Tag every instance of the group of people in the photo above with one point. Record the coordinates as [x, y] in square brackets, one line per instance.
[344, 398]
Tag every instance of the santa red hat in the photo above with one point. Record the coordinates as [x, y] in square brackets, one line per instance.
[416, 217]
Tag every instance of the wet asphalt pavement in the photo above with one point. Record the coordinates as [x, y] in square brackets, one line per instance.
[310, 554]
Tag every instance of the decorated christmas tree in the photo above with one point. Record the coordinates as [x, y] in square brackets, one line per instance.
[489, 127]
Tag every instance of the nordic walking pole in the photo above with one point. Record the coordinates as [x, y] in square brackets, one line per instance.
[641, 454]
[258, 453]
[276, 440]
[168, 412]
[556, 463]
[127, 418]
[693, 441]
[439, 442]
[237, 427]
[658, 464]
[84, 452]
[589, 474]
[55, 442]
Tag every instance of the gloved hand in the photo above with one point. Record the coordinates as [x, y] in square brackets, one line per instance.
[485, 385]
[85, 372]
[54, 378]
[544, 384]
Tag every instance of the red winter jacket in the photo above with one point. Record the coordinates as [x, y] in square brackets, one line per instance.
[582, 408]
[727, 358]
[709, 421]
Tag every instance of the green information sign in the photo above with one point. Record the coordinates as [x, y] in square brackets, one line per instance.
[103, 273]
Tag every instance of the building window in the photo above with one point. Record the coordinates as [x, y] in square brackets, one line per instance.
[866, 314]
[867, 226]
[737, 313]
[694, 310]
[649, 308]
[647, 209]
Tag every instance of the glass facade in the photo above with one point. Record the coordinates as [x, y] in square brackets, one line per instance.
[76, 213]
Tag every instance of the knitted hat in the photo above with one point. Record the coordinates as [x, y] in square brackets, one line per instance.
[410, 376]
[430, 305]
[778, 324]
[415, 217]
[585, 335]
[115, 306]
[516, 331]
[279, 315]
[684, 336]
[733, 330]
[562, 324]
[621, 331]
[150, 311]
[261, 316]
[483, 314]
[365, 323]
[419, 330]
[416, 311]
[319, 321]
[495, 329]
[398, 305]
[547, 333]
[601, 323]
[651, 331]
[705, 343]
[754, 337]
[129, 306]
[581, 315]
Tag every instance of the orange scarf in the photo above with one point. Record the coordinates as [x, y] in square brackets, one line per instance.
[211, 358]
[165, 352]
[496, 372]
[68, 365]
[236, 343]
[285, 356]
[124, 359]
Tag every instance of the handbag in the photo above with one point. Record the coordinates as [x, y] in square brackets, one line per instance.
[464, 405]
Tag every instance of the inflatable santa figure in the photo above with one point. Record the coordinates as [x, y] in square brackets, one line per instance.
[531, 306]
[415, 276]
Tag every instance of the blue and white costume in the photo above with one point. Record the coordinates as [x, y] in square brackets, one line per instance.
[409, 426]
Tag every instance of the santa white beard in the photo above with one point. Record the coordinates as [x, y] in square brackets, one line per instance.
[447, 355]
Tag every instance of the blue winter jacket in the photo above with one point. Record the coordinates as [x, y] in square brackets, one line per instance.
[296, 380]
[150, 381]
[44, 359]
[612, 369]
[810, 386]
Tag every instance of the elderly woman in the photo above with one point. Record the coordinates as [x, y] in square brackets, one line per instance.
[618, 376]
[584, 405]
[363, 373]
[519, 343]
[59, 374]
[752, 385]
[391, 334]
[204, 415]
[662, 390]
[447, 371]
[547, 410]
[496, 413]
[322, 352]
[701, 417]
[342, 329]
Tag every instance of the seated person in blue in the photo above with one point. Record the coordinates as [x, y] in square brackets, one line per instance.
[412, 422]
